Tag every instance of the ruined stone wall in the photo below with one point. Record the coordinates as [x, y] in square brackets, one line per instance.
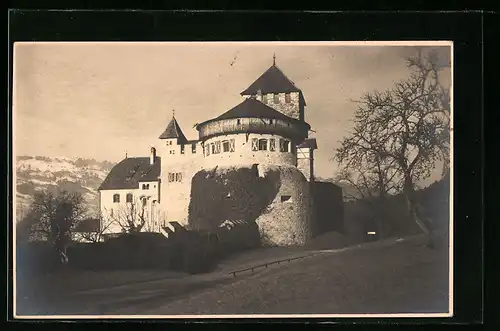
[276, 197]
[293, 108]
[287, 220]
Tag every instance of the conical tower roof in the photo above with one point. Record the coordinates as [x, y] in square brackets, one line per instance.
[173, 131]
[271, 81]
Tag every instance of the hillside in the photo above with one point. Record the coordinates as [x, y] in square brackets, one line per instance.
[36, 173]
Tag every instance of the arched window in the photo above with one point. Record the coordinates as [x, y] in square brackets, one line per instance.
[116, 198]
[129, 197]
[144, 202]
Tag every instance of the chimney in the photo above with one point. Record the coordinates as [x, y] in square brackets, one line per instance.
[152, 156]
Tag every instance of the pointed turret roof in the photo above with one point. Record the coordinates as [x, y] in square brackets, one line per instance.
[271, 81]
[173, 131]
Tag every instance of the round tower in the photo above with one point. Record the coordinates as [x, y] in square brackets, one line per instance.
[249, 133]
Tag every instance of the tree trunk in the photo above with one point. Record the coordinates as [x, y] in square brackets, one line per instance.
[415, 212]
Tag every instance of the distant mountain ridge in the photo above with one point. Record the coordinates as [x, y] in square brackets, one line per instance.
[36, 173]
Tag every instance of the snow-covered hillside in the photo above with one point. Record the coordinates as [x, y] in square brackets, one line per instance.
[35, 173]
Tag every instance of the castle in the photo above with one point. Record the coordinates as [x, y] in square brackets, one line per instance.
[266, 132]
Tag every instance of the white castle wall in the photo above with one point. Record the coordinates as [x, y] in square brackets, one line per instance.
[114, 213]
[243, 153]
[175, 194]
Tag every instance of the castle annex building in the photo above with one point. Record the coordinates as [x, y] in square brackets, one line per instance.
[196, 182]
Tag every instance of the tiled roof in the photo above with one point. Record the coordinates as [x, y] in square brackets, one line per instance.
[130, 171]
[173, 130]
[309, 143]
[252, 108]
[271, 81]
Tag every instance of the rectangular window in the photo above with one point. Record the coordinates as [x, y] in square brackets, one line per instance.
[178, 177]
[271, 121]
[264, 98]
[288, 99]
[282, 145]
[276, 98]
[193, 148]
[238, 121]
[212, 147]
[182, 149]
[262, 144]
[207, 150]
[255, 144]
[171, 177]
[231, 145]
[287, 146]
[116, 198]
[225, 146]
[272, 144]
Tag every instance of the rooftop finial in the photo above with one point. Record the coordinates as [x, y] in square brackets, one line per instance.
[274, 59]
[173, 112]
[126, 154]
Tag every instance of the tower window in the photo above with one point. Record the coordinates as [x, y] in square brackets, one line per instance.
[174, 177]
[116, 198]
[285, 198]
[288, 98]
[182, 149]
[178, 177]
[193, 148]
[284, 145]
[129, 197]
[225, 146]
[276, 98]
[255, 144]
[272, 144]
[264, 98]
[262, 144]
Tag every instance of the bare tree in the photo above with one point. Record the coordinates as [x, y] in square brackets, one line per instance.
[53, 216]
[130, 217]
[372, 187]
[407, 126]
[97, 235]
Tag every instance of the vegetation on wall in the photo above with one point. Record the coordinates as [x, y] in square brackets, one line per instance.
[218, 195]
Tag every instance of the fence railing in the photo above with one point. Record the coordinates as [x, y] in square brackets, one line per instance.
[265, 265]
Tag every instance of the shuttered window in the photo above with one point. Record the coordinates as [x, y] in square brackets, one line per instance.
[262, 144]
[272, 144]
[255, 144]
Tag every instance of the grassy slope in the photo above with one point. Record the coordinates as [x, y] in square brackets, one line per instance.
[406, 278]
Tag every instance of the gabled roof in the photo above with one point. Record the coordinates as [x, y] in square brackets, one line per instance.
[173, 130]
[252, 108]
[129, 172]
[271, 81]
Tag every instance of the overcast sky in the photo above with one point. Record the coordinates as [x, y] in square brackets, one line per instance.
[99, 100]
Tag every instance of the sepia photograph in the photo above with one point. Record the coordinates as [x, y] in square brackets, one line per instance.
[232, 179]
